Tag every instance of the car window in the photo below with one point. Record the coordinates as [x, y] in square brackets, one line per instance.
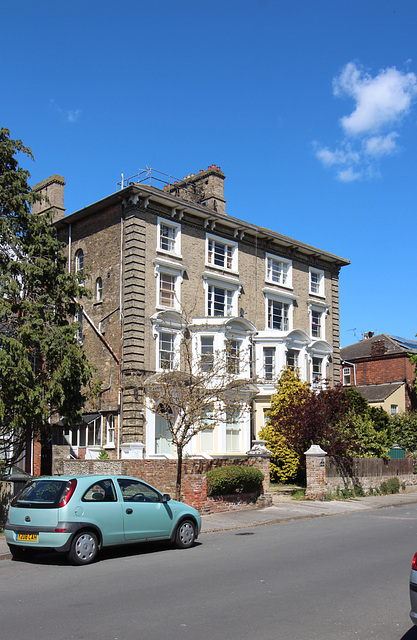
[136, 491]
[101, 491]
[41, 494]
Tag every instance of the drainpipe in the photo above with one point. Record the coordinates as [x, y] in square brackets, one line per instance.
[69, 247]
[120, 333]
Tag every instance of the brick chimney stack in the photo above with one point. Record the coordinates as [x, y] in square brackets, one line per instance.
[378, 348]
[205, 188]
[53, 189]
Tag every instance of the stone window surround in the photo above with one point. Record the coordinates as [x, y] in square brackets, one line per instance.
[279, 296]
[226, 243]
[177, 239]
[276, 258]
[319, 285]
[175, 269]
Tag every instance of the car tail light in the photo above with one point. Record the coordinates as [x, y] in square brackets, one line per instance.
[60, 530]
[414, 563]
[68, 491]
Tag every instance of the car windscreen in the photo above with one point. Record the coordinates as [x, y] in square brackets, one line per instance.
[41, 494]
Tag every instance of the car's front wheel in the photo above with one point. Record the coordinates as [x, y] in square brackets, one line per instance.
[84, 548]
[185, 534]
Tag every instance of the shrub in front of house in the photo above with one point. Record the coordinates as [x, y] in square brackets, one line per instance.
[231, 480]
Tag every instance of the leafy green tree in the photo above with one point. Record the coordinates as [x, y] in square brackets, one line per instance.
[290, 391]
[339, 420]
[43, 370]
[370, 441]
[404, 430]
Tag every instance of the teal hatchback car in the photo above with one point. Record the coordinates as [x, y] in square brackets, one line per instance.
[79, 515]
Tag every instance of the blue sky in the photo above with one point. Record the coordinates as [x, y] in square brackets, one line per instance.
[310, 109]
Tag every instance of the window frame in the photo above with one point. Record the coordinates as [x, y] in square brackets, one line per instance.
[286, 279]
[158, 433]
[233, 430]
[228, 303]
[176, 240]
[317, 330]
[207, 432]
[233, 355]
[272, 366]
[347, 376]
[228, 245]
[286, 306]
[316, 288]
[79, 260]
[99, 289]
[110, 431]
[172, 358]
[206, 352]
[317, 380]
[296, 354]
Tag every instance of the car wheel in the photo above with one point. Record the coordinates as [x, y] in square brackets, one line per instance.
[185, 534]
[20, 553]
[84, 548]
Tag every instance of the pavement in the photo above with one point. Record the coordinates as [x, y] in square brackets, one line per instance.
[285, 509]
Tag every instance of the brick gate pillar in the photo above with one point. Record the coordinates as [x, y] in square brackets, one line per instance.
[259, 457]
[316, 473]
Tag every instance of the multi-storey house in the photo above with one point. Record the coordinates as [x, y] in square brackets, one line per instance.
[380, 369]
[155, 250]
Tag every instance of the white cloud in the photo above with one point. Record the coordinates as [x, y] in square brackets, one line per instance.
[337, 157]
[73, 116]
[349, 175]
[369, 130]
[68, 114]
[380, 101]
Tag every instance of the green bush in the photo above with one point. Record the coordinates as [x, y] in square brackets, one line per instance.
[392, 485]
[233, 479]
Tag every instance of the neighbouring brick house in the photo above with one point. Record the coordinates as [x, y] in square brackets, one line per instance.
[379, 367]
[155, 247]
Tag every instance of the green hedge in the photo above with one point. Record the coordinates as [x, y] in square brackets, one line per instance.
[233, 479]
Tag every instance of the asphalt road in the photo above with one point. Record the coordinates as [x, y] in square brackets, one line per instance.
[343, 577]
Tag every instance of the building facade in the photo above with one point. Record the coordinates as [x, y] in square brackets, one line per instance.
[380, 369]
[153, 254]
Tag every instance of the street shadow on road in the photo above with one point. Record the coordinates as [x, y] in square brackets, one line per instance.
[410, 635]
[109, 553]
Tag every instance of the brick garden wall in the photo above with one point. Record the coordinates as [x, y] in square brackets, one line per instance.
[162, 474]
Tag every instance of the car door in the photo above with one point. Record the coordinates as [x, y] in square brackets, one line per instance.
[101, 506]
[145, 517]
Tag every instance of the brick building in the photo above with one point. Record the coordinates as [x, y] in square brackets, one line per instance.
[379, 367]
[156, 247]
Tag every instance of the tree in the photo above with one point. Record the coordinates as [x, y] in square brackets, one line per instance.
[404, 430]
[198, 392]
[290, 390]
[339, 420]
[42, 366]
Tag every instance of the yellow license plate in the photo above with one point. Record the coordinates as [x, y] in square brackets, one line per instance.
[27, 537]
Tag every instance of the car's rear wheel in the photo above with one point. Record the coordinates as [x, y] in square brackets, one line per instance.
[84, 548]
[185, 534]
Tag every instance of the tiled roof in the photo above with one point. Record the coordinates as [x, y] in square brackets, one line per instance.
[393, 345]
[378, 392]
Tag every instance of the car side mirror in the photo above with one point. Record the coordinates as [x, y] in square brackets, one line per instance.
[166, 497]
